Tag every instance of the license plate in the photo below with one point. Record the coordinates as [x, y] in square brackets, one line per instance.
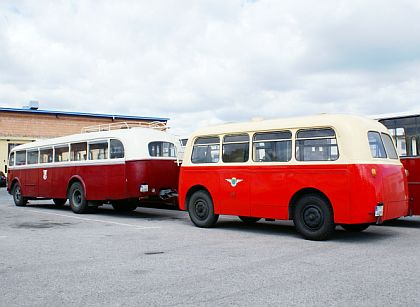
[379, 210]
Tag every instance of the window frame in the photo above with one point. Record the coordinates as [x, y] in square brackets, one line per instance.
[315, 138]
[94, 142]
[273, 141]
[46, 148]
[207, 145]
[227, 143]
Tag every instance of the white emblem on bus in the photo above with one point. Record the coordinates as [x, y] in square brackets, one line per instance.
[44, 174]
[233, 181]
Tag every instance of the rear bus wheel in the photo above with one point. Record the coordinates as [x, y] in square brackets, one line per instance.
[201, 210]
[17, 196]
[77, 199]
[313, 218]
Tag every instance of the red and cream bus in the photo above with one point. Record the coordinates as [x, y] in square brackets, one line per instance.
[318, 171]
[118, 166]
[405, 131]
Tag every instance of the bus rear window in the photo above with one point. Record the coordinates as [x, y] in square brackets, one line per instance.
[389, 146]
[316, 145]
[377, 148]
[21, 157]
[162, 149]
[116, 149]
[206, 150]
[235, 148]
[275, 146]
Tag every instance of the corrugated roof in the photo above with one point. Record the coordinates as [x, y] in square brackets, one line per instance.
[54, 112]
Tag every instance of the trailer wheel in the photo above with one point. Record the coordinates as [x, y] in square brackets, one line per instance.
[59, 201]
[313, 218]
[201, 210]
[77, 199]
[17, 196]
[249, 219]
[355, 227]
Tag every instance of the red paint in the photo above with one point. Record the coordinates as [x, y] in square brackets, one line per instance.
[412, 165]
[101, 182]
[267, 191]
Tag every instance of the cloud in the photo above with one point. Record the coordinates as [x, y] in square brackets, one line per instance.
[203, 63]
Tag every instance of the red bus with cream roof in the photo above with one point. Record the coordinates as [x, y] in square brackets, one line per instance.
[121, 166]
[405, 132]
[319, 171]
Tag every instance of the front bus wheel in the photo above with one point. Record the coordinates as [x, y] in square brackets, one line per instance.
[201, 210]
[17, 196]
[313, 218]
[77, 199]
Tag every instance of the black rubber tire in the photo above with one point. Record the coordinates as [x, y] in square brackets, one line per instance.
[19, 200]
[124, 206]
[249, 219]
[355, 227]
[77, 199]
[201, 210]
[313, 218]
[59, 201]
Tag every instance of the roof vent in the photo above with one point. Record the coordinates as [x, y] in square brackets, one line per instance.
[33, 105]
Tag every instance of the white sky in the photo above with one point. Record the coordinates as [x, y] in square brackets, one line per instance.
[207, 62]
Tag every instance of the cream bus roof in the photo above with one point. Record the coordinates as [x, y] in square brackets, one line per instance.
[135, 140]
[339, 121]
[351, 132]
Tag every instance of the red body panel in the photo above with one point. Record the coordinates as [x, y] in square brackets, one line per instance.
[267, 191]
[101, 182]
[413, 167]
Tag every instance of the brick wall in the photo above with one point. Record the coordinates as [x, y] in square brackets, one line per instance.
[47, 126]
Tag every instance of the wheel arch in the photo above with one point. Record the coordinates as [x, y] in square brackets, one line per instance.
[14, 181]
[78, 179]
[303, 192]
[192, 190]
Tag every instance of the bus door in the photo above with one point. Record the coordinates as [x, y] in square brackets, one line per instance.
[45, 174]
[234, 178]
[234, 192]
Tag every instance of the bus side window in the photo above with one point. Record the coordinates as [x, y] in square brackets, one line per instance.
[61, 154]
[12, 159]
[275, 146]
[78, 151]
[46, 155]
[235, 148]
[377, 148]
[316, 145]
[21, 157]
[116, 149]
[33, 156]
[206, 150]
[98, 150]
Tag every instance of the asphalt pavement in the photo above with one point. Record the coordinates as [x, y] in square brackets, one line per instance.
[50, 256]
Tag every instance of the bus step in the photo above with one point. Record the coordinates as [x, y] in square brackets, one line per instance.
[269, 220]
